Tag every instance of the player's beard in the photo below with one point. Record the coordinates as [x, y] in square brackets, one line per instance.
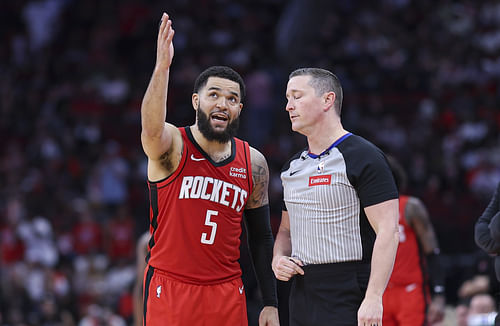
[210, 133]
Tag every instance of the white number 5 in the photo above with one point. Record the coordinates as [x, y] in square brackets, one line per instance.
[211, 224]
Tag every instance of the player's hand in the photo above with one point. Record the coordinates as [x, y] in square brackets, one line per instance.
[435, 313]
[165, 46]
[269, 316]
[370, 311]
[285, 267]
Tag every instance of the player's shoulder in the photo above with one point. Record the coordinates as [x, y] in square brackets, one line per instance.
[257, 158]
[177, 137]
[415, 204]
[415, 210]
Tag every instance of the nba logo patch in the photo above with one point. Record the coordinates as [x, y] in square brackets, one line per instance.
[321, 167]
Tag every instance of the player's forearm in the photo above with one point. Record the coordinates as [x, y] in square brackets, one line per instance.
[384, 254]
[138, 303]
[260, 241]
[153, 108]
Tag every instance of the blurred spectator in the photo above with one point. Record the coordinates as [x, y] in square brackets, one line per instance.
[120, 236]
[461, 312]
[482, 310]
[107, 184]
[487, 229]
[39, 242]
[87, 233]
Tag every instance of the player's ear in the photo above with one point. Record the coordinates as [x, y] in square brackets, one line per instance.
[195, 101]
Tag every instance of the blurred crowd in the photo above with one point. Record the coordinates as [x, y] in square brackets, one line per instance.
[421, 81]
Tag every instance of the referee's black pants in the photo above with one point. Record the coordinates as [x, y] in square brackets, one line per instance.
[328, 294]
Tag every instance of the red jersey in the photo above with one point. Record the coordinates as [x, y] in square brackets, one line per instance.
[408, 265]
[11, 246]
[196, 214]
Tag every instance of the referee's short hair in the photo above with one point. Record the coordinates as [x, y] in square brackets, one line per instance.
[322, 81]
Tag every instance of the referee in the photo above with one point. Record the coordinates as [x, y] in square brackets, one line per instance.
[338, 235]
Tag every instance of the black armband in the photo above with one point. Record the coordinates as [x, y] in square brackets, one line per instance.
[260, 242]
[436, 273]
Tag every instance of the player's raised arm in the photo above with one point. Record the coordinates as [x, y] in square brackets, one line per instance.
[156, 135]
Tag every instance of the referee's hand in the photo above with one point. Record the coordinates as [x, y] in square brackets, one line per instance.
[285, 267]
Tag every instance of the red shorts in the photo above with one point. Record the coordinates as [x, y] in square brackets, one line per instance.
[404, 305]
[170, 302]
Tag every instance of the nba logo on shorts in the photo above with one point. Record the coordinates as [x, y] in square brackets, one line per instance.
[158, 291]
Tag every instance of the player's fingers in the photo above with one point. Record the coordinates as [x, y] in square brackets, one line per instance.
[166, 30]
[161, 27]
[170, 35]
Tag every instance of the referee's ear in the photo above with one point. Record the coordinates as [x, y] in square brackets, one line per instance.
[329, 101]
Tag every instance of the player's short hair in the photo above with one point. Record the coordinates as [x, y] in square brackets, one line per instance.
[322, 81]
[221, 72]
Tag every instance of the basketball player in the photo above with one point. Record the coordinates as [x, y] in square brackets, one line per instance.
[202, 180]
[406, 298]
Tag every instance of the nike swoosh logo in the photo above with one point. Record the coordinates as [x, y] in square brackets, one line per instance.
[241, 289]
[197, 159]
[292, 173]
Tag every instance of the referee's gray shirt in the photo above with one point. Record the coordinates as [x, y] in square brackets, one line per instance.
[325, 195]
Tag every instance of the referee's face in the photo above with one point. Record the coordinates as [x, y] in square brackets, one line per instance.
[304, 107]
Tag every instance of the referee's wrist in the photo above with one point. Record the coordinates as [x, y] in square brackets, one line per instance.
[271, 303]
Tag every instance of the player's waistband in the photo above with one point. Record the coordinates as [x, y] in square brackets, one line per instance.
[178, 278]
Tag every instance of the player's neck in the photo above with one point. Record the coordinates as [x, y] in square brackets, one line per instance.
[216, 150]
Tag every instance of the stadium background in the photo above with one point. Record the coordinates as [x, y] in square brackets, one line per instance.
[420, 81]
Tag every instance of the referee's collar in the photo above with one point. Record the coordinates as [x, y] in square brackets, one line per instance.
[327, 151]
